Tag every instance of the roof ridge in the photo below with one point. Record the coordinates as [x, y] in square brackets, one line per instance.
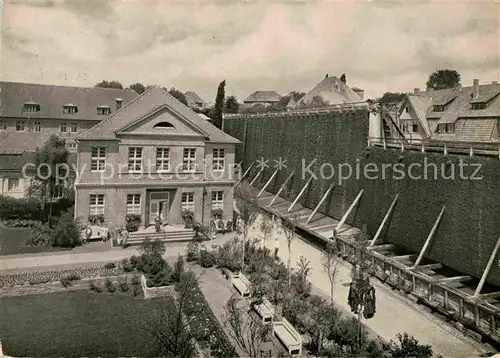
[66, 86]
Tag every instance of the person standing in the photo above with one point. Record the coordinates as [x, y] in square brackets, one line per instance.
[276, 248]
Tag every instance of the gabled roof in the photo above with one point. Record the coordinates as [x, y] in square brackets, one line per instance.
[291, 103]
[333, 91]
[14, 95]
[15, 161]
[152, 100]
[420, 104]
[192, 97]
[263, 96]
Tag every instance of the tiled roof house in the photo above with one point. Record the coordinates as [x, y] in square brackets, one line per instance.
[470, 114]
[263, 97]
[31, 113]
[194, 101]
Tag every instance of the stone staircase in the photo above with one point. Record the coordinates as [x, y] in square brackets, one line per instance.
[169, 234]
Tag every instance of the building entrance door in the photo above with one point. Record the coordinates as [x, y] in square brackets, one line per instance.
[159, 205]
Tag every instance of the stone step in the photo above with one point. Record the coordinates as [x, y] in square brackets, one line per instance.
[170, 236]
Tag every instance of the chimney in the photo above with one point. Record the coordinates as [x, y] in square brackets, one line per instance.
[119, 102]
[416, 91]
[475, 83]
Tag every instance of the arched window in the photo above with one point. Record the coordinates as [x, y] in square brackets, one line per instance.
[163, 125]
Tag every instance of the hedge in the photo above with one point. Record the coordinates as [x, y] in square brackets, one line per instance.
[30, 208]
[469, 227]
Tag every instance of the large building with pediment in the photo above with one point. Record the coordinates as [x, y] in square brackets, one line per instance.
[154, 157]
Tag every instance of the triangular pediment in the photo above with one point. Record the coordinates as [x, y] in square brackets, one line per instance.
[162, 121]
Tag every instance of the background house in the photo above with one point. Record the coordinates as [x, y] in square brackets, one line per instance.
[194, 101]
[262, 98]
[31, 113]
[330, 91]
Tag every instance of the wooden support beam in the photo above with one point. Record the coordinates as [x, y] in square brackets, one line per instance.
[488, 296]
[320, 203]
[382, 224]
[430, 267]
[258, 175]
[244, 174]
[281, 188]
[428, 241]
[488, 268]
[344, 218]
[300, 194]
[402, 257]
[382, 247]
[267, 183]
[453, 279]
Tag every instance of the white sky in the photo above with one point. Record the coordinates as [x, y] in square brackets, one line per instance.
[283, 46]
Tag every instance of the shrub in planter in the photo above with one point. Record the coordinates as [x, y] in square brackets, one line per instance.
[136, 291]
[68, 280]
[127, 265]
[188, 218]
[178, 268]
[217, 213]
[40, 235]
[207, 259]
[96, 219]
[132, 222]
[136, 281]
[94, 287]
[193, 251]
[122, 283]
[37, 281]
[66, 233]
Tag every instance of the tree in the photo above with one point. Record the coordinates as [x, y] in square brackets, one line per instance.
[178, 95]
[288, 228]
[245, 329]
[109, 84]
[343, 78]
[247, 212]
[216, 114]
[442, 79]
[66, 233]
[266, 227]
[330, 262]
[300, 279]
[297, 96]
[231, 105]
[138, 87]
[319, 321]
[168, 326]
[408, 346]
[51, 162]
[391, 98]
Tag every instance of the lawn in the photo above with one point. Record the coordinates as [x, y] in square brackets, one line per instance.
[76, 324]
[12, 242]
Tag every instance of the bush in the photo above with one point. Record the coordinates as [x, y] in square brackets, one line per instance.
[66, 233]
[94, 287]
[111, 288]
[22, 209]
[136, 291]
[68, 280]
[110, 266]
[122, 283]
[178, 268]
[188, 218]
[207, 259]
[132, 222]
[136, 281]
[409, 346]
[193, 251]
[20, 223]
[37, 281]
[127, 265]
[40, 235]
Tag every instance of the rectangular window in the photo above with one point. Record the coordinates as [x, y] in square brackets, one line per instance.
[71, 145]
[187, 202]
[37, 127]
[12, 184]
[98, 161]
[31, 107]
[134, 204]
[135, 159]
[63, 127]
[218, 159]
[447, 128]
[438, 108]
[96, 204]
[102, 111]
[3, 125]
[189, 160]
[217, 200]
[58, 191]
[19, 126]
[162, 159]
[70, 109]
[478, 106]
[73, 127]
[409, 127]
[407, 109]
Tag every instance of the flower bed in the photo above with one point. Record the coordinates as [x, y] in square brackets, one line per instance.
[12, 280]
[19, 223]
[206, 327]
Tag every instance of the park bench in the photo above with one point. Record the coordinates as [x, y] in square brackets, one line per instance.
[288, 336]
[220, 226]
[265, 310]
[98, 233]
[241, 284]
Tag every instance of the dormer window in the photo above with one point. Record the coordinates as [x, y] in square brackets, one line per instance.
[438, 108]
[164, 125]
[478, 106]
[446, 128]
[70, 109]
[103, 110]
[31, 107]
